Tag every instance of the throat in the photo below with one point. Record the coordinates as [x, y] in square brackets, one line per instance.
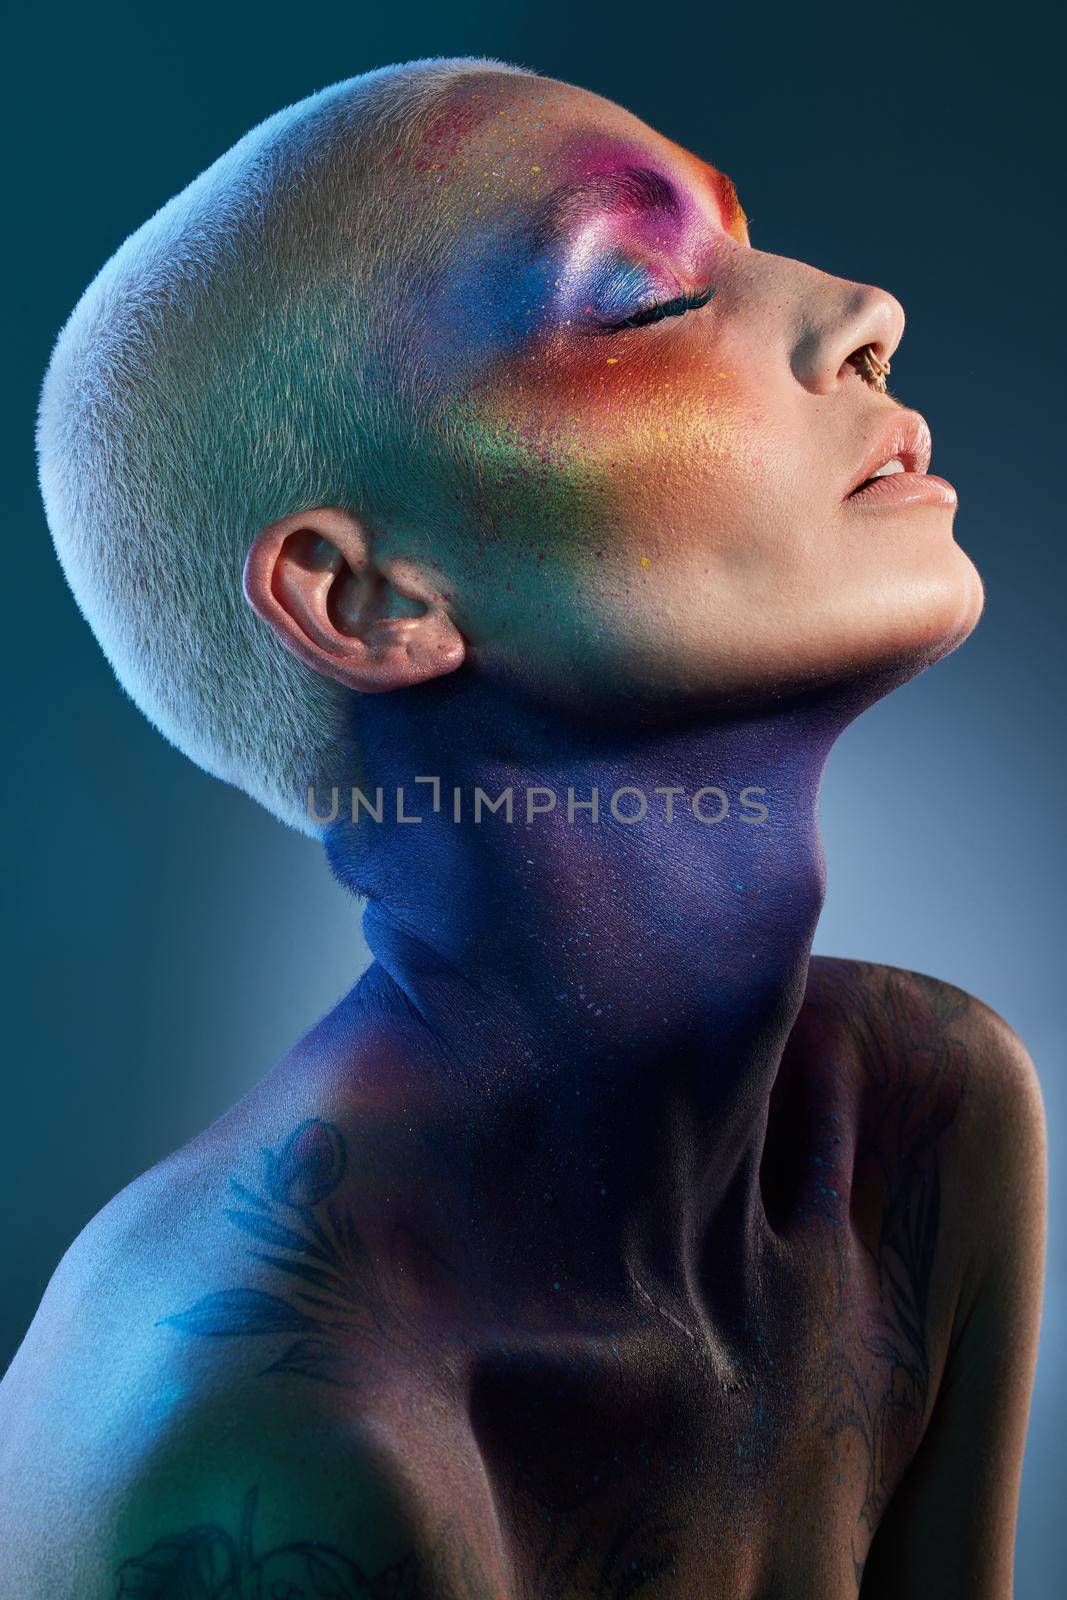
[603, 985]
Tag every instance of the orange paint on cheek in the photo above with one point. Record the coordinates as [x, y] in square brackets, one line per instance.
[583, 456]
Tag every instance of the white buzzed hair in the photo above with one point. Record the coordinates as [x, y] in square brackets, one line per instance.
[237, 361]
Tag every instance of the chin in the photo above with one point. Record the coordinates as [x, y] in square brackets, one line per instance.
[886, 637]
[955, 606]
[932, 625]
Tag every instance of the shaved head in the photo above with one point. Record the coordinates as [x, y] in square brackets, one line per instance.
[245, 355]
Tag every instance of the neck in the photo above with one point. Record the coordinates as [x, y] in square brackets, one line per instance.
[609, 999]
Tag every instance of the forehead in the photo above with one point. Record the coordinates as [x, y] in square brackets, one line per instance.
[506, 143]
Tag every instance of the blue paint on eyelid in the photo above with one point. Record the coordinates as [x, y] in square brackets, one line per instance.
[500, 297]
[615, 288]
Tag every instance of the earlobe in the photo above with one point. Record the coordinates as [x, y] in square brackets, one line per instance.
[313, 579]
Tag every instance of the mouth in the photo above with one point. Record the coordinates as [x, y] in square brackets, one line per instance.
[895, 469]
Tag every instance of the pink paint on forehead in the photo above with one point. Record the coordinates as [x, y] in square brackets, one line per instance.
[589, 153]
[589, 156]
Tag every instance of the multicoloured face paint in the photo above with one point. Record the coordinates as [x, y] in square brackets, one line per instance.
[617, 424]
[556, 338]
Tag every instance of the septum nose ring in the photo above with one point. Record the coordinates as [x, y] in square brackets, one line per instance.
[871, 370]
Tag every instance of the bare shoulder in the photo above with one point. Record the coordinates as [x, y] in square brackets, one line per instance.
[906, 1029]
[202, 1392]
[224, 1488]
[942, 1081]
[173, 1285]
[897, 996]
[944, 1128]
[949, 1199]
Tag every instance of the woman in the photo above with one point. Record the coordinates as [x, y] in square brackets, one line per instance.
[601, 1241]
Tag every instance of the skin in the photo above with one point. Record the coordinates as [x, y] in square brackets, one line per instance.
[663, 509]
[601, 1241]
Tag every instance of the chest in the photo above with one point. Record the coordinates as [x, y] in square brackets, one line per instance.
[750, 1459]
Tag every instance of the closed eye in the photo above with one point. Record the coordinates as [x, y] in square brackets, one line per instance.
[658, 310]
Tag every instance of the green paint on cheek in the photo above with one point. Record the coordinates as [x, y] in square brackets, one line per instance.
[533, 485]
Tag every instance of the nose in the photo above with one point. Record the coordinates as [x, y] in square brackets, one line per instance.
[835, 320]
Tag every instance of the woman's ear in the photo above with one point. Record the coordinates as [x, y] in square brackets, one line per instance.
[313, 579]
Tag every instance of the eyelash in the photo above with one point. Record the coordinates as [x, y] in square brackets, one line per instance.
[660, 309]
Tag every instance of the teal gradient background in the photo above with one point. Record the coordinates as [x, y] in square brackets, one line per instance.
[166, 941]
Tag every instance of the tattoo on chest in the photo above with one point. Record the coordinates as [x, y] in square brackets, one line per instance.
[206, 1562]
[338, 1311]
[343, 1323]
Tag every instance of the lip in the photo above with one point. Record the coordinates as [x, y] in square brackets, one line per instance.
[905, 489]
[906, 438]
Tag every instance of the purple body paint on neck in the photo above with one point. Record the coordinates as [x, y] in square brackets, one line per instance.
[607, 1002]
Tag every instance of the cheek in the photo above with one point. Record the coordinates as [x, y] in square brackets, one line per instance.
[606, 457]
[605, 511]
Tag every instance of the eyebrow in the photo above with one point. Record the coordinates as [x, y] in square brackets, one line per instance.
[635, 189]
